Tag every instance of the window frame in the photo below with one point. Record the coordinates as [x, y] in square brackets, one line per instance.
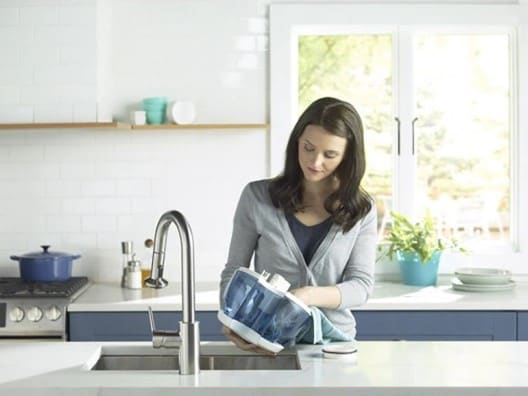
[287, 21]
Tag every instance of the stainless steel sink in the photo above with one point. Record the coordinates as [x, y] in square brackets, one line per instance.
[211, 358]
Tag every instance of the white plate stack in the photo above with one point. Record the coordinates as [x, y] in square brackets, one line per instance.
[474, 279]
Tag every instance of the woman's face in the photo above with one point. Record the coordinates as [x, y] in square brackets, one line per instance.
[320, 153]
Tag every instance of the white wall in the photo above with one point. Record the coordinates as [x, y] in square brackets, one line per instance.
[83, 191]
[86, 190]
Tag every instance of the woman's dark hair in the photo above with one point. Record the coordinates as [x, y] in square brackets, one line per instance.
[349, 203]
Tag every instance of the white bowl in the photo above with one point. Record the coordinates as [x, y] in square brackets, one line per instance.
[483, 276]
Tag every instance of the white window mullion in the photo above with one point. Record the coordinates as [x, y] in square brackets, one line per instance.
[406, 175]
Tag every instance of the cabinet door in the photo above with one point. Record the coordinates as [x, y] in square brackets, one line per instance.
[436, 325]
[134, 326]
[522, 326]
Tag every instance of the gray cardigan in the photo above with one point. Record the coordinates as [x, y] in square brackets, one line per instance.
[342, 259]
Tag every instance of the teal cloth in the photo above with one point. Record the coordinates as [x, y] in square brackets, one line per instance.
[321, 330]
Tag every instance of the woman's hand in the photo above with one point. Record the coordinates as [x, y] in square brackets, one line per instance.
[319, 296]
[304, 294]
[243, 344]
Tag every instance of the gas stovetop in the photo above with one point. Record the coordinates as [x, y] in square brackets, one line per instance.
[17, 288]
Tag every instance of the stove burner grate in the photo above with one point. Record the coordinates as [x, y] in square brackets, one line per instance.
[16, 287]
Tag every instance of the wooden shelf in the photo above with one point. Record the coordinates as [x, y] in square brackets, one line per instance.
[124, 125]
[202, 126]
[66, 125]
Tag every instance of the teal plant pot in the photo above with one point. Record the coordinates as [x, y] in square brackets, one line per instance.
[416, 273]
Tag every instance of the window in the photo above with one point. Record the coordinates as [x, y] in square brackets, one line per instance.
[437, 90]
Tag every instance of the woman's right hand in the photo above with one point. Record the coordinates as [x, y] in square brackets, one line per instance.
[243, 344]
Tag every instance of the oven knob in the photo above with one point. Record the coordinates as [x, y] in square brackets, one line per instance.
[34, 314]
[53, 313]
[16, 314]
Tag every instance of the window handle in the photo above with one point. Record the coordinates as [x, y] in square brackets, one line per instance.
[412, 124]
[398, 132]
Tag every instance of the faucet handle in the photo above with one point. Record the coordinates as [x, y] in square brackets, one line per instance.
[163, 338]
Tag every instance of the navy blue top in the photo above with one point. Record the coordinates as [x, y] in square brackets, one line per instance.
[308, 238]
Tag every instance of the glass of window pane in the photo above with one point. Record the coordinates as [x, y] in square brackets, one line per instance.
[462, 94]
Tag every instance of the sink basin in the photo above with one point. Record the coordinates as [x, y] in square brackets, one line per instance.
[212, 357]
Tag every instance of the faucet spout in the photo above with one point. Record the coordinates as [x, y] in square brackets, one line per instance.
[189, 328]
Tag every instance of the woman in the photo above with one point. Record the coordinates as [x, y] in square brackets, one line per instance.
[313, 224]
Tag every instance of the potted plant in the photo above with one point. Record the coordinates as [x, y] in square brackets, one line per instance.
[417, 249]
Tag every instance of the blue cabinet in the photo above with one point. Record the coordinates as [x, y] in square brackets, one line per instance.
[437, 325]
[134, 326]
[371, 325]
[522, 326]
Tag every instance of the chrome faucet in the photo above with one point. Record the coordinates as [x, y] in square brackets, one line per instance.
[189, 333]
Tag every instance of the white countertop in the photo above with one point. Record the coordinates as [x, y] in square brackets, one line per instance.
[387, 296]
[382, 368]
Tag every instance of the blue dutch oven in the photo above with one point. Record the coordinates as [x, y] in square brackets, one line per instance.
[45, 266]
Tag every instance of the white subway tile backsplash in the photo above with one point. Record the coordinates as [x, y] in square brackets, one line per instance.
[77, 15]
[9, 16]
[22, 35]
[23, 223]
[15, 113]
[64, 223]
[77, 170]
[40, 205]
[49, 93]
[83, 36]
[112, 206]
[22, 188]
[65, 74]
[245, 43]
[142, 205]
[110, 240]
[42, 171]
[27, 153]
[14, 243]
[72, 54]
[9, 95]
[79, 206]
[142, 224]
[128, 169]
[8, 170]
[38, 15]
[74, 241]
[133, 188]
[85, 190]
[10, 57]
[60, 112]
[99, 223]
[39, 54]
[63, 188]
[85, 112]
[98, 188]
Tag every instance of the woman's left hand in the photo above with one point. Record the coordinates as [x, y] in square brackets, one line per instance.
[304, 294]
[319, 296]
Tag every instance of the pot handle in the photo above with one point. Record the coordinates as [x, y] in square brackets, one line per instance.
[76, 256]
[16, 258]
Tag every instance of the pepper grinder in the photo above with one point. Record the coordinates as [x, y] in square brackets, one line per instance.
[127, 248]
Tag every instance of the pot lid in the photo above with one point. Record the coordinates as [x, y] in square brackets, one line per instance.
[46, 254]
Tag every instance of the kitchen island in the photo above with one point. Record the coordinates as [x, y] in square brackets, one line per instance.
[382, 368]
